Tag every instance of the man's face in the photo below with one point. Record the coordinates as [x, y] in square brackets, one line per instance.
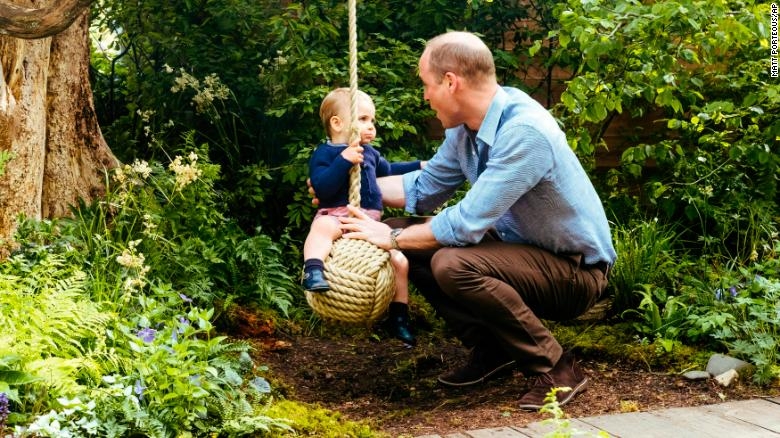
[436, 92]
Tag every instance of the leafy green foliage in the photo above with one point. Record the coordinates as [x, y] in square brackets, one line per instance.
[557, 419]
[100, 330]
[168, 224]
[645, 257]
[742, 314]
[696, 66]
[5, 157]
[261, 256]
[661, 315]
[754, 331]
[53, 338]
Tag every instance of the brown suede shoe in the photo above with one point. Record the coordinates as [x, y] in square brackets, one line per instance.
[566, 373]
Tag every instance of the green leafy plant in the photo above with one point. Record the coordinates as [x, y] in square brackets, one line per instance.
[104, 335]
[53, 340]
[660, 314]
[693, 70]
[754, 328]
[167, 223]
[646, 256]
[5, 157]
[562, 427]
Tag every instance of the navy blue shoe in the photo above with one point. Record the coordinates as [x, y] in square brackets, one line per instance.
[399, 326]
[314, 281]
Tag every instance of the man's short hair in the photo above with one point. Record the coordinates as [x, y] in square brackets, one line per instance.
[462, 53]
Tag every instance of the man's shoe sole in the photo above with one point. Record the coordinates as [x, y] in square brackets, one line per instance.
[569, 395]
[496, 370]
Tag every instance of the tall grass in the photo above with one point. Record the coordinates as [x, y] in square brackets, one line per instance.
[645, 257]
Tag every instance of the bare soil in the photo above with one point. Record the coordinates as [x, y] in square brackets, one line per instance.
[370, 377]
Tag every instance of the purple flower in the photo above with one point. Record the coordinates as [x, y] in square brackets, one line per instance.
[4, 410]
[733, 291]
[138, 389]
[147, 334]
[195, 380]
[183, 324]
[185, 298]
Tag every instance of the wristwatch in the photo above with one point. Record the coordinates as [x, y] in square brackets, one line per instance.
[393, 236]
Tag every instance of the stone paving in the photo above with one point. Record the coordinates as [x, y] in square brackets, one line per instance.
[757, 418]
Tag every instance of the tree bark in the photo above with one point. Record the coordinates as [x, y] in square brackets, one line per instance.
[21, 22]
[49, 126]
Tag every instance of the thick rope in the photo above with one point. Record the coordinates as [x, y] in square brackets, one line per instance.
[361, 278]
[354, 172]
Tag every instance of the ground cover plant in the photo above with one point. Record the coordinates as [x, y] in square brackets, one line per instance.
[104, 331]
[131, 316]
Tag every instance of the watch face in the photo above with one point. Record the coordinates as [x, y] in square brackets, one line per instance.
[393, 234]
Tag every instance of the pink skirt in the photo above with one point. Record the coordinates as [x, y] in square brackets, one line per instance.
[344, 212]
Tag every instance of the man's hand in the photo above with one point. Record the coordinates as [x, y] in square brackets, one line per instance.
[360, 226]
[314, 200]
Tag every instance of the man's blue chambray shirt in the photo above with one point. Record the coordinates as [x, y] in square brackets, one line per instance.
[532, 188]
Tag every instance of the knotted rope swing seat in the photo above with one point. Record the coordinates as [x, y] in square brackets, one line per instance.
[361, 277]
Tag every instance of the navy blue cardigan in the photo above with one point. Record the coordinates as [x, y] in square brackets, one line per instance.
[329, 173]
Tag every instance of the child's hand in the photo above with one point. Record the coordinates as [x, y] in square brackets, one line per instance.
[353, 154]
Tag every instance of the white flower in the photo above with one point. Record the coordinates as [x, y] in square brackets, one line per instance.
[142, 168]
[185, 173]
[145, 115]
[119, 175]
[130, 260]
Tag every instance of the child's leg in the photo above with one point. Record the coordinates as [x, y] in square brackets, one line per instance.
[324, 230]
[399, 307]
[401, 268]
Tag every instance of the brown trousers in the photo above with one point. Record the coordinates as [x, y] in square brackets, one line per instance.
[495, 294]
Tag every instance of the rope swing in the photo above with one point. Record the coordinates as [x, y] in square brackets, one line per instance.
[361, 277]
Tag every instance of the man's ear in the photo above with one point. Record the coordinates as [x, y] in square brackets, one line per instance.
[451, 80]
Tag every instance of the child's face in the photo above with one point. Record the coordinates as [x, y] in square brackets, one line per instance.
[365, 123]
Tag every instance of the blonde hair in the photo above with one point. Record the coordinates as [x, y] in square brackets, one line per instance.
[462, 53]
[337, 103]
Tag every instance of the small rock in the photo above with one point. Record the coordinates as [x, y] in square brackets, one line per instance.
[697, 375]
[727, 378]
[719, 364]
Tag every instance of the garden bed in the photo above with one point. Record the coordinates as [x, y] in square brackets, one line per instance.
[367, 377]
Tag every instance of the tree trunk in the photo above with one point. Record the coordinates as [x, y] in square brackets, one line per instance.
[48, 124]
